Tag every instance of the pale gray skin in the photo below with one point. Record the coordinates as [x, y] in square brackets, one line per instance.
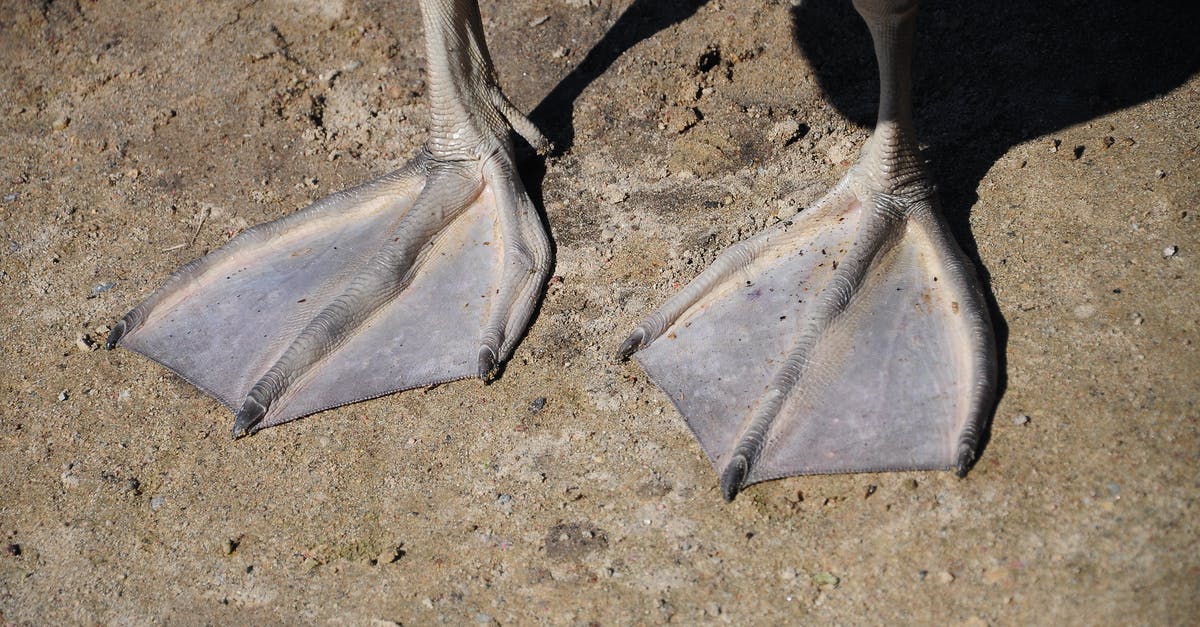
[852, 337]
[422, 276]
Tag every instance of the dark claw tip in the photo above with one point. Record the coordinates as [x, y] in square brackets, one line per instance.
[251, 413]
[632, 344]
[487, 364]
[966, 458]
[115, 335]
[734, 475]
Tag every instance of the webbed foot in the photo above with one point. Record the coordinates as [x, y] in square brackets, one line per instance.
[852, 337]
[425, 275]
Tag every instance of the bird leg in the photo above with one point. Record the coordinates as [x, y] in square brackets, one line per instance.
[852, 337]
[422, 276]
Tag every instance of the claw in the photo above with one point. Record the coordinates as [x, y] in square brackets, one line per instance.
[966, 458]
[632, 344]
[116, 334]
[251, 413]
[487, 364]
[734, 477]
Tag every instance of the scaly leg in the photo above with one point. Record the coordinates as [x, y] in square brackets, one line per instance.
[852, 337]
[422, 276]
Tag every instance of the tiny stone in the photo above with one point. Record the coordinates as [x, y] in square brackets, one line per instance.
[61, 122]
[606, 235]
[826, 579]
[84, 343]
[483, 619]
[13, 550]
[615, 195]
[69, 478]
[1170, 251]
[679, 119]
[784, 132]
[62, 396]
[1159, 174]
[1138, 320]
[156, 503]
[11, 197]
[945, 577]
[538, 404]
[539, 20]
[1021, 419]
[788, 574]
[560, 52]
[389, 555]
[229, 546]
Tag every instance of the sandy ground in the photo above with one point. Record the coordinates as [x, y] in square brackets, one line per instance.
[138, 135]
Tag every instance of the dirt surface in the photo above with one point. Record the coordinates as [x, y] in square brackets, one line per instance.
[138, 135]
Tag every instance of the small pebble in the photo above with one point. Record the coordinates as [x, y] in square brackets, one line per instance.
[11, 197]
[539, 20]
[229, 546]
[615, 195]
[826, 579]
[538, 404]
[1170, 251]
[483, 619]
[62, 396]
[560, 52]
[1021, 419]
[103, 287]
[156, 503]
[607, 235]
[784, 132]
[389, 555]
[1138, 320]
[13, 550]
[84, 343]
[945, 577]
[61, 122]
[69, 478]
[1159, 174]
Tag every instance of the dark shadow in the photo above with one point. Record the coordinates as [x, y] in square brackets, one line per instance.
[641, 20]
[989, 76]
[554, 115]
